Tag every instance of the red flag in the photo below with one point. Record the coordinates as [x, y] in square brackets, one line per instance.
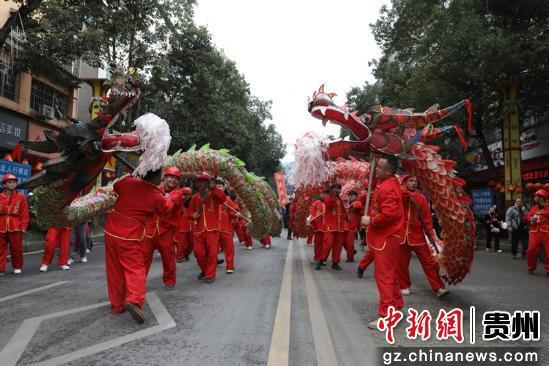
[17, 153]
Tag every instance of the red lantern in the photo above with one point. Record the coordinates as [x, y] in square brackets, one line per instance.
[499, 186]
[8, 157]
[519, 190]
[37, 167]
[510, 187]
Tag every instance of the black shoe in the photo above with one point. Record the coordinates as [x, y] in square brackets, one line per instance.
[288, 238]
[209, 280]
[135, 311]
[350, 260]
[201, 276]
[318, 266]
[354, 251]
[220, 261]
[323, 264]
[336, 266]
[359, 272]
[180, 260]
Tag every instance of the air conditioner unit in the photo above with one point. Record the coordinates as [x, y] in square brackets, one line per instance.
[46, 111]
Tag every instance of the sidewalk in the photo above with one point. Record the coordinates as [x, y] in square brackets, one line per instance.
[35, 246]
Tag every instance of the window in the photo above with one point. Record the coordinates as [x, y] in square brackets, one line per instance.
[44, 94]
[8, 81]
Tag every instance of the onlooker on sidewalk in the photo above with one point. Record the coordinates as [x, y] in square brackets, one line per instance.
[493, 229]
[80, 240]
[517, 227]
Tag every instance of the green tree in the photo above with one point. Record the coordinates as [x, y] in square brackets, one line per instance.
[446, 51]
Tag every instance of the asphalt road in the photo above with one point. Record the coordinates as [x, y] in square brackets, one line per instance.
[275, 309]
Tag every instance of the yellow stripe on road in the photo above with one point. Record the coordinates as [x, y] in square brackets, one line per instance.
[279, 351]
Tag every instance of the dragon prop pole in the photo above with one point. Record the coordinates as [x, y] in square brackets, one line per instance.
[370, 182]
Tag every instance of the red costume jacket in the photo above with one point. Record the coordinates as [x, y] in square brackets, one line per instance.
[185, 220]
[386, 214]
[170, 221]
[335, 215]
[14, 212]
[541, 224]
[227, 216]
[317, 212]
[354, 212]
[413, 229]
[138, 201]
[208, 208]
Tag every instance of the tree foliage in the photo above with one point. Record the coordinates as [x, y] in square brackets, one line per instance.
[187, 81]
[443, 51]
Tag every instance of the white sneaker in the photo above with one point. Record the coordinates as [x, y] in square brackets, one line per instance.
[441, 292]
[17, 271]
[499, 251]
[43, 268]
[88, 251]
[248, 248]
[65, 268]
[373, 325]
[267, 246]
[70, 262]
[84, 260]
[405, 291]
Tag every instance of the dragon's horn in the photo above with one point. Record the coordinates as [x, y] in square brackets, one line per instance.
[321, 89]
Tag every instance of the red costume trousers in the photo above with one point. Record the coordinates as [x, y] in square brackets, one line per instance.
[350, 244]
[385, 267]
[244, 236]
[332, 241]
[310, 235]
[427, 263]
[205, 250]
[266, 240]
[537, 241]
[184, 244]
[126, 273]
[227, 243]
[56, 235]
[366, 259]
[15, 241]
[317, 245]
[164, 244]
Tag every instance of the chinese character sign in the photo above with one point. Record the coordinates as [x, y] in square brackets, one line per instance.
[21, 171]
[482, 199]
[12, 129]
[281, 188]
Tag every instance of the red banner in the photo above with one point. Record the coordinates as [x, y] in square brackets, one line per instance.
[281, 188]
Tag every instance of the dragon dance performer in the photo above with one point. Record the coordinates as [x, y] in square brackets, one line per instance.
[317, 224]
[56, 235]
[354, 212]
[139, 199]
[161, 231]
[417, 224]
[333, 235]
[204, 208]
[384, 234]
[14, 219]
[266, 241]
[184, 241]
[538, 217]
[227, 214]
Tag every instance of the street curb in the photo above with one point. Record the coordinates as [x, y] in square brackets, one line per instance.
[36, 246]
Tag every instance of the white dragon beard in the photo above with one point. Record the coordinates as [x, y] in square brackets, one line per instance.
[310, 167]
[154, 136]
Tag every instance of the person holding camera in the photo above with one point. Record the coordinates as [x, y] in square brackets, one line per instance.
[517, 227]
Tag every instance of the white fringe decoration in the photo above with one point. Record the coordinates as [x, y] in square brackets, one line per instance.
[154, 136]
[310, 167]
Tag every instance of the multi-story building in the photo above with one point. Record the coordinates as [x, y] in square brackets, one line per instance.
[31, 102]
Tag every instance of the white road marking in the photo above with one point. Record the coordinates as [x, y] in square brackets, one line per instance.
[28, 292]
[279, 352]
[17, 344]
[324, 347]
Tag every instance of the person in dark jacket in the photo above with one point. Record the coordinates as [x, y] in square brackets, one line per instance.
[493, 229]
